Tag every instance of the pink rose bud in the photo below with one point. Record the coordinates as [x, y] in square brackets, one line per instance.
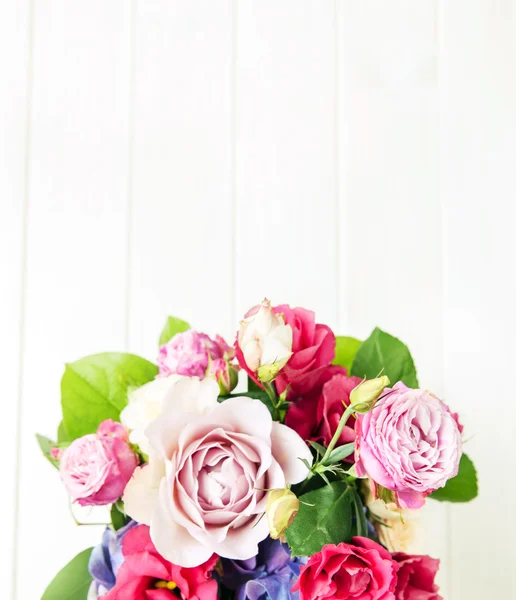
[224, 374]
[264, 342]
[56, 453]
[95, 468]
[190, 353]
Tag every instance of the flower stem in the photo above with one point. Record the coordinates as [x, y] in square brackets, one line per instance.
[343, 420]
[275, 401]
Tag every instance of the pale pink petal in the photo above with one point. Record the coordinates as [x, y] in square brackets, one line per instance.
[287, 449]
[173, 542]
[141, 493]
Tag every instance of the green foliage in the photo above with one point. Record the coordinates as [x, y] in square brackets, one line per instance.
[94, 388]
[463, 487]
[172, 326]
[345, 351]
[46, 446]
[328, 515]
[62, 436]
[383, 353]
[72, 582]
[118, 516]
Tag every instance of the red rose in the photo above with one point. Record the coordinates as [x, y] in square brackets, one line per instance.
[145, 575]
[313, 348]
[363, 569]
[416, 577]
[316, 415]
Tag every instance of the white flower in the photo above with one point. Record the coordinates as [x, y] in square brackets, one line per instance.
[265, 341]
[145, 404]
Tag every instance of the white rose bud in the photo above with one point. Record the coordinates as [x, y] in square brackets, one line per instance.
[265, 341]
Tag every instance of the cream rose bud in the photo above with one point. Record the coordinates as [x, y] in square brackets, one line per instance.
[265, 342]
[144, 405]
[204, 489]
[282, 507]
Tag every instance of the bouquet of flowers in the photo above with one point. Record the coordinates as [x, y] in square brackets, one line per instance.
[301, 486]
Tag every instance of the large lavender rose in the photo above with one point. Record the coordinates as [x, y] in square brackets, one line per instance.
[204, 490]
[409, 443]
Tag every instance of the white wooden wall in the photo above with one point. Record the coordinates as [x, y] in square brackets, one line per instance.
[191, 156]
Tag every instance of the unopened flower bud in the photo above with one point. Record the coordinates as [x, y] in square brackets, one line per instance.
[365, 395]
[281, 508]
[265, 341]
[224, 374]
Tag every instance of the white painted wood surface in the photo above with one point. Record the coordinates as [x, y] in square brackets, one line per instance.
[191, 156]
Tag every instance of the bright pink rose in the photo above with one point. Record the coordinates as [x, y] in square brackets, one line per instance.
[189, 354]
[205, 488]
[416, 577]
[316, 415]
[145, 575]
[409, 443]
[95, 468]
[363, 569]
[313, 348]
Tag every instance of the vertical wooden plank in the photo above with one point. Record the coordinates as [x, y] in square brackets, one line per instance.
[478, 154]
[14, 66]
[285, 172]
[182, 206]
[76, 262]
[389, 192]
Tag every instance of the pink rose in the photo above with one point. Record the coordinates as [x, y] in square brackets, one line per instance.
[363, 569]
[416, 577]
[316, 415]
[189, 354]
[313, 348]
[95, 468]
[146, 575]
[409, 443]
[204, 490]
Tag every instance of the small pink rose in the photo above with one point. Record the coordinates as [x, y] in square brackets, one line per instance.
[95, 468]
[362, 569]
[409, 443]
[416, 577]
[189, 354]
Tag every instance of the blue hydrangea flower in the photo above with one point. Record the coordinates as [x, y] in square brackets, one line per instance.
[107, 557]
[269, 575]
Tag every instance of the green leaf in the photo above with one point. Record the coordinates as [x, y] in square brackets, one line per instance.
[463, 487]
[72, 582]
[360, 518]
[172, 326]
[62, 436]
[46, 446]
[340, 453]
[382, 352]
[118, 517]
[325, 518]
[345, 351]
[252, 386]
[95, 388]
[320, 449]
